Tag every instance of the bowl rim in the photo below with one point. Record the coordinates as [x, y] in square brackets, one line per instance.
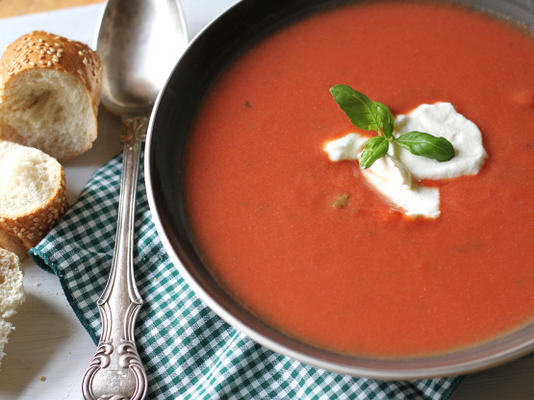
[508, 346]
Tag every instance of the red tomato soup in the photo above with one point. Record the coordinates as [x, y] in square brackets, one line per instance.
[363, 278]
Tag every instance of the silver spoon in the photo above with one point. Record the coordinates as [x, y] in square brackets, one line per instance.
[139, 42]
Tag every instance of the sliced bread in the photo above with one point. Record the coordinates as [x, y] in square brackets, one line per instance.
[49, 94]
[11, 290]
[11, 293]
[5, 329]
[32, 192]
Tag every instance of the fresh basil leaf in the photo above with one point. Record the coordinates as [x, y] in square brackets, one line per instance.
[359, 108]
[374, 149]
[424, 144]
[386, 118]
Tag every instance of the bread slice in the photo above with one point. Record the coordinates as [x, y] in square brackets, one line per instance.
[49, 94]
[5, 330]
[11, 293]
[11, 289]
[32, 192]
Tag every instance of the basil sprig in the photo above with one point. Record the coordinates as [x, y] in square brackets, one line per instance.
[374, 116]
[375, 148]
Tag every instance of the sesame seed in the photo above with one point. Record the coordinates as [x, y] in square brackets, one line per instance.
[40, 40]
[32, 63]
[80, 53]
[85, 61]
[41, 51]
[55, 59]
[49, 63]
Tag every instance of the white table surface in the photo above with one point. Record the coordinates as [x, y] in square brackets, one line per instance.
[49, 350]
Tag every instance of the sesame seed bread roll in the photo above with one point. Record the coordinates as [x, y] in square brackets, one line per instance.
[32, 192]
[11, 293]
[49, 94]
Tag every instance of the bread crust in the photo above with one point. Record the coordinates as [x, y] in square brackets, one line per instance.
[12, 243]
[30, 228]
[46, 51]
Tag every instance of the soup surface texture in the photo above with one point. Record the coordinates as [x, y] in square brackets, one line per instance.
[363, 278]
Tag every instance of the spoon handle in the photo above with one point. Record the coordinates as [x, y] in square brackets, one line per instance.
[116, 371]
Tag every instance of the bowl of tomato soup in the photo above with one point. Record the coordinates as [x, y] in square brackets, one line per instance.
[248, 205]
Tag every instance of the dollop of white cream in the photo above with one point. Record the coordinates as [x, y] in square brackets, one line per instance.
[392, 175]
[390, 169]
[441, 119]
[345, 148]
[388, 177]
[394, 182]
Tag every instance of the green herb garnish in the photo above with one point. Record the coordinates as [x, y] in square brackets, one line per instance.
[374, 116]
[340, 201]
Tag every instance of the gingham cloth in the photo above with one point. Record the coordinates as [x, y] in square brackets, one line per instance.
[188, 351]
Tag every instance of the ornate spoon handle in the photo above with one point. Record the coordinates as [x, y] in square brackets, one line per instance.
[116, 372]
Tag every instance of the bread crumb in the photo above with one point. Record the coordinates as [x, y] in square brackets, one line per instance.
[42, 378]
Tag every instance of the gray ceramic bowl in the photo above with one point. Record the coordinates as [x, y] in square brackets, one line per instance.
[214, 48]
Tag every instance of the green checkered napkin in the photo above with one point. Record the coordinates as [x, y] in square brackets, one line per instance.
[188, 351]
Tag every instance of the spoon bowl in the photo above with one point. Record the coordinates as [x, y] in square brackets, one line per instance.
[139, 42]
